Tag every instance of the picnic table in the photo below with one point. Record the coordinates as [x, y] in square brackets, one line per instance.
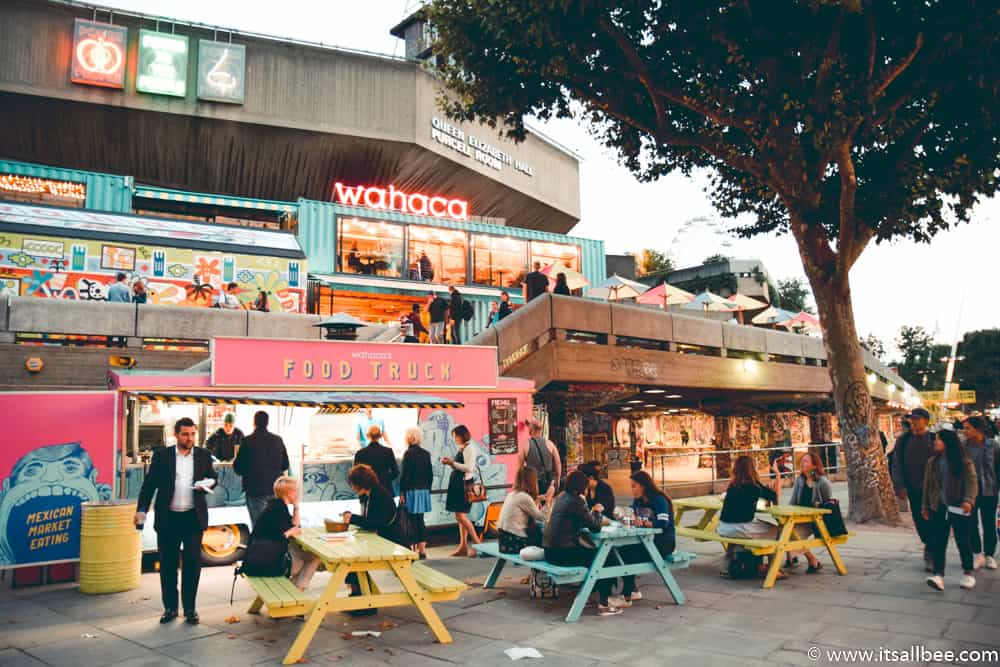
[362, 553]
[786, 516]
[607, 564]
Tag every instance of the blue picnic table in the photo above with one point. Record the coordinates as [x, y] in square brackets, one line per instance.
[607, 564]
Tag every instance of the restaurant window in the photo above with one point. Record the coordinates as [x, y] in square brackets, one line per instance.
[14, 187]
[498, 261]
[369, 247]
[555, 253]
[437, 255]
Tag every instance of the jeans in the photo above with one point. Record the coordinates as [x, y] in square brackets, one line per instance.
[985, 511]
[943, 523]
[579, 557]
[437, 332]
[456, 332]
[256, 506]
[179, 529]
[924, 528]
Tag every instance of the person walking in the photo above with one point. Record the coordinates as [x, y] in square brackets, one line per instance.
[226, 441]
[415, 488]
[536, 283]
[561, 538]
[982, 449]
[262, 459]
[561, 286]
[413, 326]
[455, 307]
[438, 309]
[178, 477]
[949, 496]
[276, 525]
[379, 458]
[542, 455]
[909, 462]
[464, 468]
[504, 309]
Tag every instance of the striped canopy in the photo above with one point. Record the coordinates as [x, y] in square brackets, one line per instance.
[328, 401]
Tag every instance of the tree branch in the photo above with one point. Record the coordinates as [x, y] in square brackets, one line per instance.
[636, 61]
[893, 73]
[872, 46]
[848, 220]
[832, 43]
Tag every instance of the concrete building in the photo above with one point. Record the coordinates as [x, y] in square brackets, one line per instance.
[726, 277]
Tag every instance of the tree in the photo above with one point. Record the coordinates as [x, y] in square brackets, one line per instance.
[653, 262]
[841, 122]
[715, 259]
[873, 344]
[921, 364]
[793, 295]
[980, 370]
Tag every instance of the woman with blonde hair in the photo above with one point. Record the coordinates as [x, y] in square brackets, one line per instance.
[277, 525]
[415, 488]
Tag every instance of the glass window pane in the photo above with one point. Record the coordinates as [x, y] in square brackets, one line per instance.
[437, 255]
[370, 247]
[14, 187]
[499, 261]
[551, 253]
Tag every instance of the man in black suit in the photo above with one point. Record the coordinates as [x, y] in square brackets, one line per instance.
[261, 460]
[380, 458]
[181, 515]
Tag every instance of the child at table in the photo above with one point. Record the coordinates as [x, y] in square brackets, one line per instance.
[739, 508]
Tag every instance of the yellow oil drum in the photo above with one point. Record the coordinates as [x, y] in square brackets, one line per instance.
[110, 547]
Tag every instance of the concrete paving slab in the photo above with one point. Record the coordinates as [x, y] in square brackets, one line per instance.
[98, 651]
[217, 649]
[150, 633]
[417, 638]
[12, 657]
[977, 633]
[492, 655]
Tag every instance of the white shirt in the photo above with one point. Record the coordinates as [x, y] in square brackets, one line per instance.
[229, 300]
[183, 499]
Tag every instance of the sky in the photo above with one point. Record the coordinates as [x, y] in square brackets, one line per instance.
[949, 286]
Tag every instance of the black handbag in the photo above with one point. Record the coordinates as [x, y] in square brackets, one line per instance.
[266, 558]
[399, 528]
[834, 520]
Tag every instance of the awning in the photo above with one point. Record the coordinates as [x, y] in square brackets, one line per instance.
[150, 192]
[328, 401]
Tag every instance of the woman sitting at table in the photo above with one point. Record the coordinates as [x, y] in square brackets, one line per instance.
[811, 488]
[565, 541]
[739, 508]
[520, 519]
[652, 509]
[276, 525]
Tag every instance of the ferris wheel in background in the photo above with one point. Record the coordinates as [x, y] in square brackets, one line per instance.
[698, 238]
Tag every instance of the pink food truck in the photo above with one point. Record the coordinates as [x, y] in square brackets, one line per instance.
[321, 396]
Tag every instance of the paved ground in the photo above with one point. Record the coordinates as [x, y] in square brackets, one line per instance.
[882, 602]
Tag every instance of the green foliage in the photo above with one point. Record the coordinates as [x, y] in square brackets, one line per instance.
[715, 259]
[653, 262]
[724, 283]
[793, 295]
[980, 370]
[873, 344]
[921, 364]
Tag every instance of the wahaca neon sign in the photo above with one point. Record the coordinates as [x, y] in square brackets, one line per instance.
[391, 199]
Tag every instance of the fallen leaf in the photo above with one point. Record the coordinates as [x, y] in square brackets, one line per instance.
[526, 580]
[232, 619]
[347, 635]
[369, 648]
[387, 625]
[302, 661]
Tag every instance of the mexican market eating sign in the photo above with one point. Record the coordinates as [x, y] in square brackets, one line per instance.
[956, 395]
[250, 362]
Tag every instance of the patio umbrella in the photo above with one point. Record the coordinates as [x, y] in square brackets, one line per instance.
[574, 279]
[746, 303]
[802, 322]
[710, 301]
[773, 315]
[616, 288]
[665, 295]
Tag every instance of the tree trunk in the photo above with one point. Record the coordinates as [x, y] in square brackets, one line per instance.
[868, 482]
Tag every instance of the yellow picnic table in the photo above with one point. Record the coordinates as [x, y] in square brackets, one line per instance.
[364, 553]
[787, 516]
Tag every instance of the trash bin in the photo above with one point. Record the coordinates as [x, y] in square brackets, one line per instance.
[110, 547]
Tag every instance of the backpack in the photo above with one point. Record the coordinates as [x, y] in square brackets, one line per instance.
[467, 311]
[744, 564]
[541, 586]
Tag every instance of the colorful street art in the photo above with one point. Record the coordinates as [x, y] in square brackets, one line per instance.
[54, 268]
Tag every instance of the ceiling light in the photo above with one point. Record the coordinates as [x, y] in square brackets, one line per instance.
[626, 409]
[653, 391]
[673, 396]
[634, 401]
[650, 405]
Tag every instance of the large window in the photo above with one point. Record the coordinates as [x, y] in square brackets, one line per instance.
[553, 253]
[437, 255]
[14, 187]
[498, 261]
[370, 247]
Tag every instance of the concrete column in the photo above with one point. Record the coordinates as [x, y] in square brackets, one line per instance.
[723, 441]
[821, 432]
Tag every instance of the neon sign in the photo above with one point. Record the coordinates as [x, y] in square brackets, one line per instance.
[391, 199]
[163, 60]
[98, 54]
[221, 71]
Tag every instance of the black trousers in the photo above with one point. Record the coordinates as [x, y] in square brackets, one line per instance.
[942, 524]
[923, 526]
[576, 557]
[179, 529]
[986, 512]
[456, 332]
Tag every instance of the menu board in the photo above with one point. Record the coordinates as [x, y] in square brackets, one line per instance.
[503, 425]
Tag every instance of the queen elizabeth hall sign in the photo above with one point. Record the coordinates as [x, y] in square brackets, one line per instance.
[247, 362]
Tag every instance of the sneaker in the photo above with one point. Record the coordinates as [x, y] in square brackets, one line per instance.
[991, 563]
[619, 601]
[637, 595]
[967, 581]
[936, 582]
[608, 610]
[978, 561]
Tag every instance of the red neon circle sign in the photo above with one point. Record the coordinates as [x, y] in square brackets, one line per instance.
[98, 56]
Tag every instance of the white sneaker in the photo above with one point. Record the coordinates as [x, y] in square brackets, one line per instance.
[608, 610]
[637, 595]
[991, 564]
[967, 581]
[936, 582]
[978, 561]
[619, 601]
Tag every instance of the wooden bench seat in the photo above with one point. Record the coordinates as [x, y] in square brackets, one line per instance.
[439, 585]
[759, 547]
[281, 597]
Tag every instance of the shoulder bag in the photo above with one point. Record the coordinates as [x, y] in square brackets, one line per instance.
[475, 492]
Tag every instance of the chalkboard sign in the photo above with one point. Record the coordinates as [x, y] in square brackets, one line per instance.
[503, 425]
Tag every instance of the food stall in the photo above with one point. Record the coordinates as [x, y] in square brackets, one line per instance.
[316, 392]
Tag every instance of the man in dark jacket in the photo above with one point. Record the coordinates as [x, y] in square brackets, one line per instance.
[179, 477]
[455, 315]
[261, 460]
[536, 283]
[226, 441]
[909, 461]
[379, 458]
[438, 309]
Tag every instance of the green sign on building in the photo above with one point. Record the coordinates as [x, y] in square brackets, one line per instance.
[163, 63]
